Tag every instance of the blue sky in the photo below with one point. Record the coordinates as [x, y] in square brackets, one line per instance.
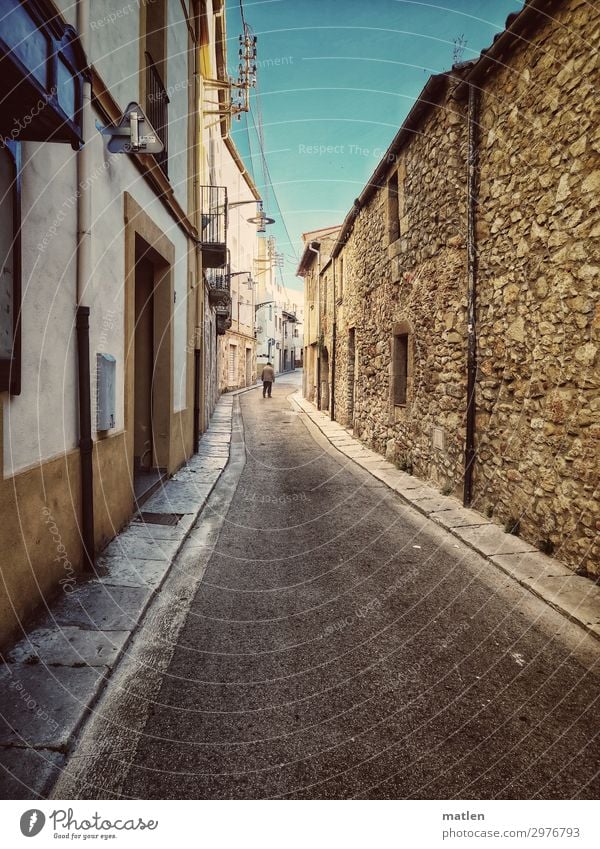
[336, 79]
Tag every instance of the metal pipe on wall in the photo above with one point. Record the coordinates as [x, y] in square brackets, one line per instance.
[472, 186]
[333, 346]
[84, 275]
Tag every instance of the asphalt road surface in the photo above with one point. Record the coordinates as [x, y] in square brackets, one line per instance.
[341, 645]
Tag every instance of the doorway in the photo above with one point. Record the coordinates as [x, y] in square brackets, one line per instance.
[248, 366]
[151, 359]
[324, 378]
[143, 450]
[232, 370]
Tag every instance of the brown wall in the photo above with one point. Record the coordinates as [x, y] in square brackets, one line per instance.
[417, 279]
[538, 320]
[538, 423]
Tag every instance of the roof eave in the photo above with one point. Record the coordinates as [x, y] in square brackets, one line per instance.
[534, 13]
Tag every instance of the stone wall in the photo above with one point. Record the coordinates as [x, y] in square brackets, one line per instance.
[242, 342]
[418, 279]
[538, 423]
[537, 227]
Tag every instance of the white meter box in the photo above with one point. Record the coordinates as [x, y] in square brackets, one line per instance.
[106, 367]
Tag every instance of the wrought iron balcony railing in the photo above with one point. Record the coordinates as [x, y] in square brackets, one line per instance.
[213, 226]
[219, 287]
[157, 107]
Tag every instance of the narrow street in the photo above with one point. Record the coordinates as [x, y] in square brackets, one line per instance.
[341, 645]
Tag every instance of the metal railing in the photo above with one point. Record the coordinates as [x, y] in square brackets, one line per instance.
[213, 208]
[157, 108]
[219, 279]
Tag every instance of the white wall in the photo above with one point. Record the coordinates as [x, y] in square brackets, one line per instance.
[42, 422]
[178, 93]
[114, 47]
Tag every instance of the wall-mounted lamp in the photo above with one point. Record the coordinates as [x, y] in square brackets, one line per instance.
[261, 219]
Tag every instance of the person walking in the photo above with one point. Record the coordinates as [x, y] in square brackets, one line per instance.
[268, 379]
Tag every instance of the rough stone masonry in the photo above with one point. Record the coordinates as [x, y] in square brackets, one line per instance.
[400, 271]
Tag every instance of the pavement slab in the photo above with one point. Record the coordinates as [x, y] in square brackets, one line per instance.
[102, 608]
[459, 517]
[119, 571]
[129, 543]
[490, 539]
[69, 646]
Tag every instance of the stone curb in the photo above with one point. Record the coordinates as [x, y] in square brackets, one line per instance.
[575, 597]
[56, 672]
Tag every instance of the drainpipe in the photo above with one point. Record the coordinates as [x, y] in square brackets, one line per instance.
[199, 340]
[317, 251]
[84, 276]
[333, 344]
[472, 188]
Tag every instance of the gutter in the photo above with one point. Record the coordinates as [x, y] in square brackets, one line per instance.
[230, 145]
[472, 199]
[84, 279]
[317, 251]
[333, 347]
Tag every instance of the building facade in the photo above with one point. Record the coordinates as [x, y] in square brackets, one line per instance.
[275, 313]
[237, 346]
[457, 331]
[108, 366]
[317, 269]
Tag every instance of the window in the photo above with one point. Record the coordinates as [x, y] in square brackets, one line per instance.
[157, 100]
[325, 284]
[10, 269]
[341, 277]
[400, 369]
[393, 208]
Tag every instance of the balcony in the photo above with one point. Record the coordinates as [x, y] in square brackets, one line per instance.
[213, 226]
[157, 109]
[219, 288]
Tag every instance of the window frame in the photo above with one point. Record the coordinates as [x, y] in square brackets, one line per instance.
[400, 378]
[10, 367]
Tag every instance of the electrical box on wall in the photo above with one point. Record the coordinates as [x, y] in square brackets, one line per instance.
[106, 366]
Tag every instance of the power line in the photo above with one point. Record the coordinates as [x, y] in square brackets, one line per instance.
[268, 181]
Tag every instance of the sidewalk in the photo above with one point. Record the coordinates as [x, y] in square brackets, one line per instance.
[576, 597]
[55, 673]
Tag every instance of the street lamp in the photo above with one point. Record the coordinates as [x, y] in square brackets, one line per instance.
[264, 304]
[261, 219]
